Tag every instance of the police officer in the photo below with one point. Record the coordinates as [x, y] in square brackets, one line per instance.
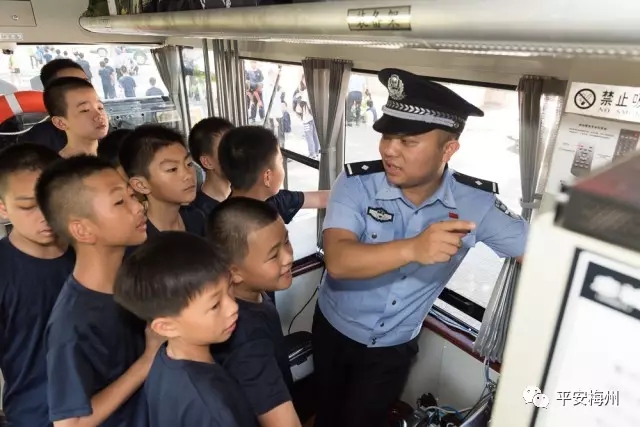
[396, 230]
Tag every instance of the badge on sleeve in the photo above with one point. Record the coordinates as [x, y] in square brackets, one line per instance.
[379, 214]
[505, 210]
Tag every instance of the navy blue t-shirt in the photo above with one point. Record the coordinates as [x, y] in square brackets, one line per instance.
[47, 134]
[193, 219]
[205, 203]
[256, 356]
[29, 288]
[194, 223]
[287, 203]
[128, 84]
[184, 393]
[91, 342]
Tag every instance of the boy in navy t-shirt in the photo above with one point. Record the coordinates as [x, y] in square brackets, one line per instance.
[204, 140]
[179, 283]
[156, 160]
[33, 266]
[251, 160]
[256, 239]
[76, 109]
[97, 357]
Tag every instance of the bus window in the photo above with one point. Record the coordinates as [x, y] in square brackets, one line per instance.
[284, 108]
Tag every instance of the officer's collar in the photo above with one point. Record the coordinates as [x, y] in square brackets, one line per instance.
[444, 194]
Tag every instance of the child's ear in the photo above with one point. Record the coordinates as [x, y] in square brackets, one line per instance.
[59, 122]
[267, 178]
[206, 162]
[236, 274]
[165, 327]
[3, 211]
[140, 185]
[82, 230]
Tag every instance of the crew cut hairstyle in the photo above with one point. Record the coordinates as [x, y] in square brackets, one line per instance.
[109, 146]
[169, 270]
[244, 153]
[49, 71]
[55, 94]
[140, 147]
[233, 220]
[202, 134]
[23, 157]
[61, 192]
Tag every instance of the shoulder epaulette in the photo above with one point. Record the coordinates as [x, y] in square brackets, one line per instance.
[480, 184]
[363, 168]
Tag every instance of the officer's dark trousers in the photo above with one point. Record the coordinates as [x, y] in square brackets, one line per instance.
[356, 385]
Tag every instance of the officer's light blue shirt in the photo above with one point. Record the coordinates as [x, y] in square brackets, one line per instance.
[389, 310]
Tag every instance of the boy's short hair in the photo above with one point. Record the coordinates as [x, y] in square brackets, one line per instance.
[202, 134]
[140, 146]
[49, 71]
[244, 153]
[231, 222]
[109, 146]
[60, 192]
[168, 271]
[55, 93]
[24, 157]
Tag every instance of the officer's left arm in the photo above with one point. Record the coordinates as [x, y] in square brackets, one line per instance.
[503, 231]
[315, 199]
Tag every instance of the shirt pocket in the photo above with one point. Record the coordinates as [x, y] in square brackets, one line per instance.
[378, 231]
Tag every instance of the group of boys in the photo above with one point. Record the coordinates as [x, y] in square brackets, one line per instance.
[122, 281]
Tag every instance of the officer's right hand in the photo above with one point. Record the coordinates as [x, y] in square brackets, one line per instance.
[439, 242]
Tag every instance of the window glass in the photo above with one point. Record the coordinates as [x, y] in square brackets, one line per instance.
[284, 108]
[488, 150]
[195, 79]
[125, 77]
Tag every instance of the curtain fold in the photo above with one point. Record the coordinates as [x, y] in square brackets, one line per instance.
[168, 63]
[541, 101]
[230, 81]
[327, 83]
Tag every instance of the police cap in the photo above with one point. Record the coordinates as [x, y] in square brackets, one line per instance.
[418, 105]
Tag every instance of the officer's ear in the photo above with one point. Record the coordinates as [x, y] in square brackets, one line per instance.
[450, 145]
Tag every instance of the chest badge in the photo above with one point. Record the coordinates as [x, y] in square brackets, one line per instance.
[379, 214]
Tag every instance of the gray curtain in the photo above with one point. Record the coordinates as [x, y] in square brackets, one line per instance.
[541, 100]
[230, 81]
[327, 84]
[168, 62]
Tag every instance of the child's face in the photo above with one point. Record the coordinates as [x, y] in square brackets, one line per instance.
[117, 217]
[208, 319]
[19, 206]
[267, 266]
[172, 176]
[85, 117]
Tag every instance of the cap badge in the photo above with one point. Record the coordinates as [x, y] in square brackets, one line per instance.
[396, 88]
